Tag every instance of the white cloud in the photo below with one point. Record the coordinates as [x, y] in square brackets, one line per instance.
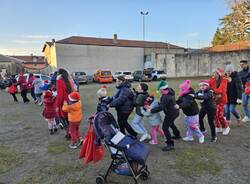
[193, 34]
[20, 51]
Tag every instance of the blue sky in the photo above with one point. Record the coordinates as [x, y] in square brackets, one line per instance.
[27, 24]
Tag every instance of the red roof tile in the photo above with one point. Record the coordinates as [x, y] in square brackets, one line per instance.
[243, 45]
[120, 43]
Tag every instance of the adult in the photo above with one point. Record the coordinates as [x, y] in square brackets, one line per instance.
[64, 86]
[234, 93]
[123, 103]
[244, 75]
[218, 84]
[31, 87]
[22, 83]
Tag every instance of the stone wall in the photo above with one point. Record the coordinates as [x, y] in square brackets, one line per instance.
[199, 63]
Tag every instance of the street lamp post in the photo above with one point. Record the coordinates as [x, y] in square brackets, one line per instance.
[143, 19]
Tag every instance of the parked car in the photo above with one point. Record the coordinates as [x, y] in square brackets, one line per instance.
[103, 76]
[37, 75]
[128, 75]
[159, 75]
[4, 83]
[80, 77]
[141, 76]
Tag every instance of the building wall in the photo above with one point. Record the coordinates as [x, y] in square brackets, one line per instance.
[50, 56]
[11, 68]
[89, 58]
[198, 64]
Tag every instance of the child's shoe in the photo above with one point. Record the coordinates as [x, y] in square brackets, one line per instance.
[204, 131]
[218, 130]
[169, 147]
[144, 137]
[201, 139]
[213, 139]
[226, 131]
[55, 130]
[187, 138]
[152, 142]
[176, 137]
[51, 132]
[72, 146]
[79, 142]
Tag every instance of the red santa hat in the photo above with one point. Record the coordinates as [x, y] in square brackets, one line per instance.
[204, 82]
[74, 96]
[219, 71]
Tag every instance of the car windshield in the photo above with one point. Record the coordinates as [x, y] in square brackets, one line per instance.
[80, 73]
[105, 73]
[160, 72]
[118, 73]
[127, 73]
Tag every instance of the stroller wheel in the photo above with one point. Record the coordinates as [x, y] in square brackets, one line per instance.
[100, 180]
[144, 175]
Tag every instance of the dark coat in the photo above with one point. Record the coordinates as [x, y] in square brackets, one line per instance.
[166, 104]
[139, 102]
[206, 96]
[103, 104]
[234, 88]
[244, 76]
[123, 99]
[188, 104]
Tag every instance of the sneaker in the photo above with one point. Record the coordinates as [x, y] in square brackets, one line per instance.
[245, 119]
[79, 142]
[176, 137]
[40, 103]
[152, 142]
[201, 139]
[51, 132]
[226, 131]
[73, 146]
[55, 130]
[218, 130]
[61, 125]
[213, 139]
[144, 137]
[169, 147]
[239, 122]
[187, 138]
[204, 131]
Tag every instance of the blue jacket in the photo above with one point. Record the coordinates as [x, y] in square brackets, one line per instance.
[123, 99]
[153, 118]
[103, 104]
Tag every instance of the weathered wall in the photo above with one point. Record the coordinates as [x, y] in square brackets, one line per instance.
[90, 58]
[198, 64]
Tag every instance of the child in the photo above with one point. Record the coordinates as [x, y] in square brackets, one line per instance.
[167, 104]
[104, 101]
[49, 111]
[205, 94]
[137, 123]
[38, 83]
[190, 108]
[74, 110]
[153, 119]
[13, 88]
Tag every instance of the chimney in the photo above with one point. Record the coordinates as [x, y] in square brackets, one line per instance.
[115, 39]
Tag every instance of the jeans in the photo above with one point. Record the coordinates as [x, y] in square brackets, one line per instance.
[230, 108]
[138, 125]
[245, 99]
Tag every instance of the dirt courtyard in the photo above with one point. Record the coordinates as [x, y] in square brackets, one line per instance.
[29, 155]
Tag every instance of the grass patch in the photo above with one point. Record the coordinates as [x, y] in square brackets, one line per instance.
[57, 147]
[63, 169]
[27, 127]
[9, 159]
[197, 161]
[31, 180]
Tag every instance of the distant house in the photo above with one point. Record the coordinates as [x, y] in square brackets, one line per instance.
[10, 65]
[238, 46]
[89, 54]
[34, 64]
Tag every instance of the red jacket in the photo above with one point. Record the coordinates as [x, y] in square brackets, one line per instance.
[49, 110]
[221, 90]
[61, 97]
[22, 82]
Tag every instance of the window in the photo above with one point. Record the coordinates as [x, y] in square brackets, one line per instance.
[80, 73]
[160, 72]
[118, 73]
[105, 73]
[127, 73]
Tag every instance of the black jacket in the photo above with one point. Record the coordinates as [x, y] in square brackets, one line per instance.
[166, 104]
[188, 104]
[103, 104]
[123, 99]
[234, 88]
[244, 76]
[139, 102]
[206, 98]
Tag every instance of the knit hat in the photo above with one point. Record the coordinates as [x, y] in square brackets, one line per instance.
[229, 68]
[219, 71]
[102, 92]
[184, 87]
[204, 82]
[162, 85]
[144, 87]
[74, 96]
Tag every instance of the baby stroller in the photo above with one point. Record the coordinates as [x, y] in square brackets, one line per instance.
[128, 154]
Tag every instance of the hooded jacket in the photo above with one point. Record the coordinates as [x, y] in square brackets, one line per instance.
[206, 97]
[166, 104]
[123, 99]
[221, 90]
[49, 110]
[139, 101]
[234, 88]
[74, 111]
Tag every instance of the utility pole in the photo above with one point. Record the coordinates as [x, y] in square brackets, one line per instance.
[143, 23]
